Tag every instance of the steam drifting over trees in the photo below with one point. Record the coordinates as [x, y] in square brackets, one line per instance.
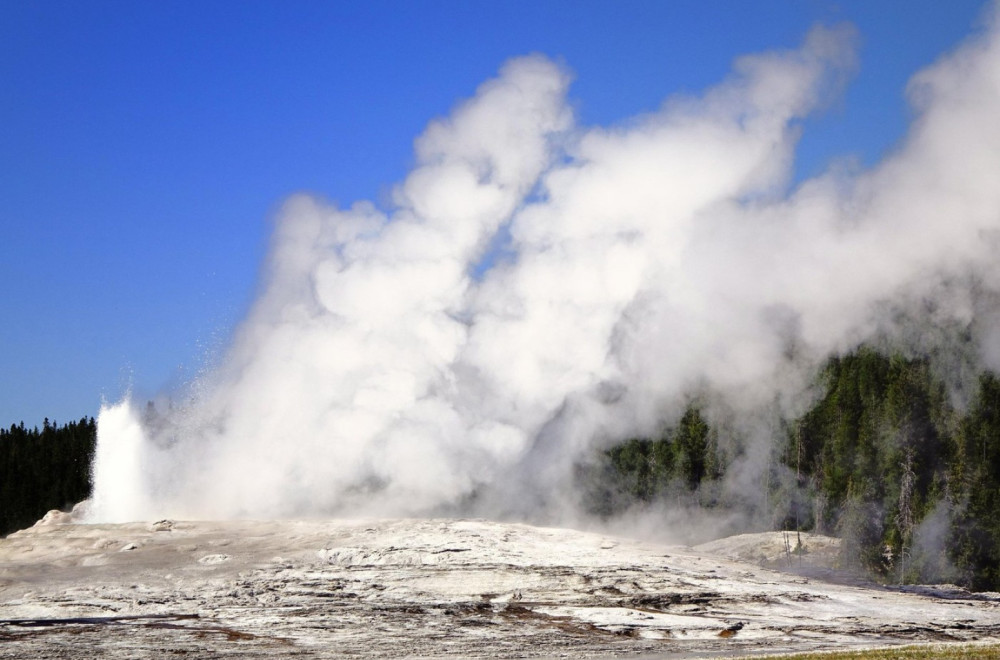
[883, 459]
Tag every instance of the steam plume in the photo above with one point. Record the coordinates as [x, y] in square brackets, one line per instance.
[399, 362]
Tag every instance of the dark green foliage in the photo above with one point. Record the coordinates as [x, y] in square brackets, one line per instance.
[878, 441]
[43, 469]
[695, 456]
[976, 546]
[677, 466]
[883, 459]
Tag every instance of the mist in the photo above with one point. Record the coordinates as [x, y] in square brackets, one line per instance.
[537, 290]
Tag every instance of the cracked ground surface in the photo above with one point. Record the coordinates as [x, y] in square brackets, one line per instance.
[436, 588]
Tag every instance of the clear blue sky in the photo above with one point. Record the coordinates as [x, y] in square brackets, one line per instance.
[144, 145]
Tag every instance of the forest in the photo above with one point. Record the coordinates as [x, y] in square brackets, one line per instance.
[43, 469]
[883, 458]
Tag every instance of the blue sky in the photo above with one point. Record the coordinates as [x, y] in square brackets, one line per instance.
[145, 145]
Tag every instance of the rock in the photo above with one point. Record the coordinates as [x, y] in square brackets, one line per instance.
[55, 517]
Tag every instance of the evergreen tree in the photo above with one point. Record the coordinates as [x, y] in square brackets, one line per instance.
[43, 469]
[911, 484]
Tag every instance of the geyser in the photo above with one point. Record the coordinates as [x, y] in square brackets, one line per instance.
[399, 361]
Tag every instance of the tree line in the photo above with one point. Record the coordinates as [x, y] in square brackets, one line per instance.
[884, 459]
[43, 469]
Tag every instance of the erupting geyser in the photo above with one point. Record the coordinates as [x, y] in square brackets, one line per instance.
[538, 288]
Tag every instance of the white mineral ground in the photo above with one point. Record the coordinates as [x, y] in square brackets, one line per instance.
[443, 588]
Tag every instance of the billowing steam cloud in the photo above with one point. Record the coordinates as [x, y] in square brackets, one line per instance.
[539, 288]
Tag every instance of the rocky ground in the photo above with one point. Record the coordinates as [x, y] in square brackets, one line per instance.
[441, 588]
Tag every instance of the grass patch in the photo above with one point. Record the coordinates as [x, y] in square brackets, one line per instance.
[919, 652]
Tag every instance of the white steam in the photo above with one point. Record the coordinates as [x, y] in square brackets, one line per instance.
[389, 366]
